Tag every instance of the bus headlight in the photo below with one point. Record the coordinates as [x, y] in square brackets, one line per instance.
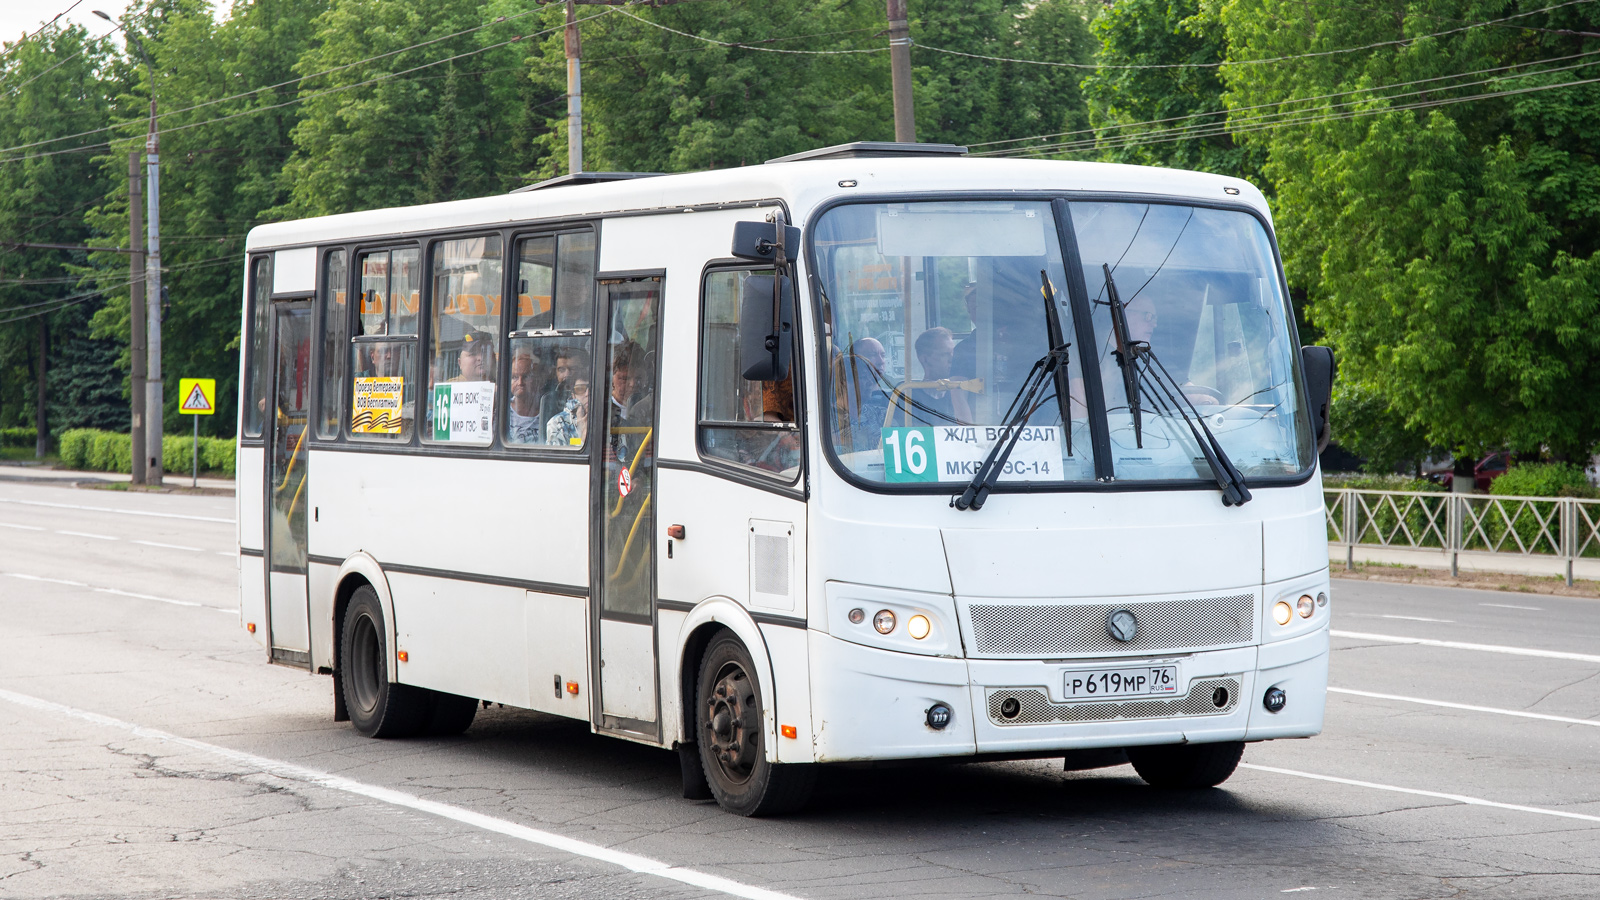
[1281, 613]
[918, 626]
[883, 621]
[1306, 606]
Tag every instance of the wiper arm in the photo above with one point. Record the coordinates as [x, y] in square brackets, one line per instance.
[1168, 399]
[1017, 413]
[1125, 354]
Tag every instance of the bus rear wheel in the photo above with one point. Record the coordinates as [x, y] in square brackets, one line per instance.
[1186, 766]
[378, 707]
[730, 732]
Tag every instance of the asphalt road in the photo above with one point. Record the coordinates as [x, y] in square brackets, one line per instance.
[146, 750]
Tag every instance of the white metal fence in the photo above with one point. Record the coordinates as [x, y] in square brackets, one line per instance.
[1552, 528]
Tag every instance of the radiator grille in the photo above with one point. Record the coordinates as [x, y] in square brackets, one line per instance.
[1037, 708]
[1063, 630]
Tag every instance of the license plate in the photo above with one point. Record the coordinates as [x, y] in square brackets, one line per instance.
[1138, 681]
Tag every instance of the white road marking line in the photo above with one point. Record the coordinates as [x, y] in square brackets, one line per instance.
[1457, 798]
[100, 590]
[170, 546]
[42, 578]
[98, 537]
[119, 592]
[1513, 606]
[1296, 890]
[1419, 619]
[1469, 707]
[21, 527]
[1460, 645]
[125, 512]
[289, 771]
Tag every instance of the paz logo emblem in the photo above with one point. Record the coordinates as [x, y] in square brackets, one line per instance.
[1122, 625]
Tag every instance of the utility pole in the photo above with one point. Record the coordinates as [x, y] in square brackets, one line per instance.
[153, 398]
[574, 93]
[905, 125]
[136, 342]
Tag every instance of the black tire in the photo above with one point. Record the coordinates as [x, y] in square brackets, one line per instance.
[378, 707]
[1186, 766]
[452, 714]
[731, 737]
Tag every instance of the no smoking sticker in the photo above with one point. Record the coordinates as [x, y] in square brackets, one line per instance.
[624, 483]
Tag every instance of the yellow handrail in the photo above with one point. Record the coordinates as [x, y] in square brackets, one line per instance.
[637, 455]
[623, 556]
[289, 469]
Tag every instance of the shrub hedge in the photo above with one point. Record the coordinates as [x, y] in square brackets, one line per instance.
[1544, 480]
[16, 437]
[108, 451]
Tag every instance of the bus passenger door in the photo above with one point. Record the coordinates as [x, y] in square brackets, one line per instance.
[288, 637]
[623, 576]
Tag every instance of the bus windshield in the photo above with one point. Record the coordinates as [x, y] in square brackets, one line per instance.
[935, 312]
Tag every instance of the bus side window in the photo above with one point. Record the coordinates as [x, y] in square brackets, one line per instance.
[750, 423]
[335, 332]
[547, 399]
[255, 406]
[383, 350]
[463, 367]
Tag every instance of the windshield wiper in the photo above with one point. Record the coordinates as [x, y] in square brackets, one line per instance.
[1141, 371]
[1021, 408]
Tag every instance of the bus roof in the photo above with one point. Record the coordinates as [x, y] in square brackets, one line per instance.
[802, 185]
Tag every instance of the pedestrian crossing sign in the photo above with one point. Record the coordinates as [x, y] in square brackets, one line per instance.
[199, 396]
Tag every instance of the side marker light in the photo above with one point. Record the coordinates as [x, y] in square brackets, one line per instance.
[250, 627]
[572, 688]
[403, 656]
[1322, 599]
[1281, 613]
[789, 731]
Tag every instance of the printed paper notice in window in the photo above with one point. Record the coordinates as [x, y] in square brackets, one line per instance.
[463, 411]
[956, 452]
[376, 405]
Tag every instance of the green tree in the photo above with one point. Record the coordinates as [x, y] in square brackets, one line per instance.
[1449, 253]
[1141, 115]
[49, 88]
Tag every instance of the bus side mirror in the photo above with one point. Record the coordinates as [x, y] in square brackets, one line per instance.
[764, 350]
[759, 240]
[1320, 370]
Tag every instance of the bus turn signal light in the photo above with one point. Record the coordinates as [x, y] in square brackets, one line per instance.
[403, 656]
[572, 688]
[250, 627]
[789, 731]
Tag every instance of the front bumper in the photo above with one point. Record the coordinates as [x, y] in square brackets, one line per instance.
[872, 704]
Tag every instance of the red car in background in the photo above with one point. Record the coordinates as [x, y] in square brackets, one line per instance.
[1484, 472]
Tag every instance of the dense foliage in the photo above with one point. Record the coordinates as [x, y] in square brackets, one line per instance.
[1432, 163]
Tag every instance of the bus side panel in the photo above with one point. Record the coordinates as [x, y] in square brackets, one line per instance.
[446, 529]
[249, 512]
[462, 638]
[558, 654]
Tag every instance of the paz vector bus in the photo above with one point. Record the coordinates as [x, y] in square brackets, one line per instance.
[875, 452]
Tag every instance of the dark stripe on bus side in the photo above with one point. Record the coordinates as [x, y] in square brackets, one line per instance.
[542, 587]
[250, 551]
[772, 619]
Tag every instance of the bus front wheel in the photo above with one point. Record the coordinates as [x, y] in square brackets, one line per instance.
[1186, 765]
[731, 736]
[378, 707]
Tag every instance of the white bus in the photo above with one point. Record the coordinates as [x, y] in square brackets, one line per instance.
[872, 453]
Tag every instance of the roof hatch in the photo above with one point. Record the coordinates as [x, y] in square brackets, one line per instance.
[577, 178]
[873, 150]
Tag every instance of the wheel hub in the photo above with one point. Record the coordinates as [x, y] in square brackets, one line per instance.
[731, 723]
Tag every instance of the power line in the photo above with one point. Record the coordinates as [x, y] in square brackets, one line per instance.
[1250, 62]
[1140, 141]
[300, 99]
[739, 45]
[13, 48]
[273, 87]
[1100, 136]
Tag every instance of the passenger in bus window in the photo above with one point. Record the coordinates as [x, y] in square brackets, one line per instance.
[937, 405]
[569, 360]
[569, 427]
[866, 379]
[473, 361]
[380, 359]
[524, 425]
[644, 390]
